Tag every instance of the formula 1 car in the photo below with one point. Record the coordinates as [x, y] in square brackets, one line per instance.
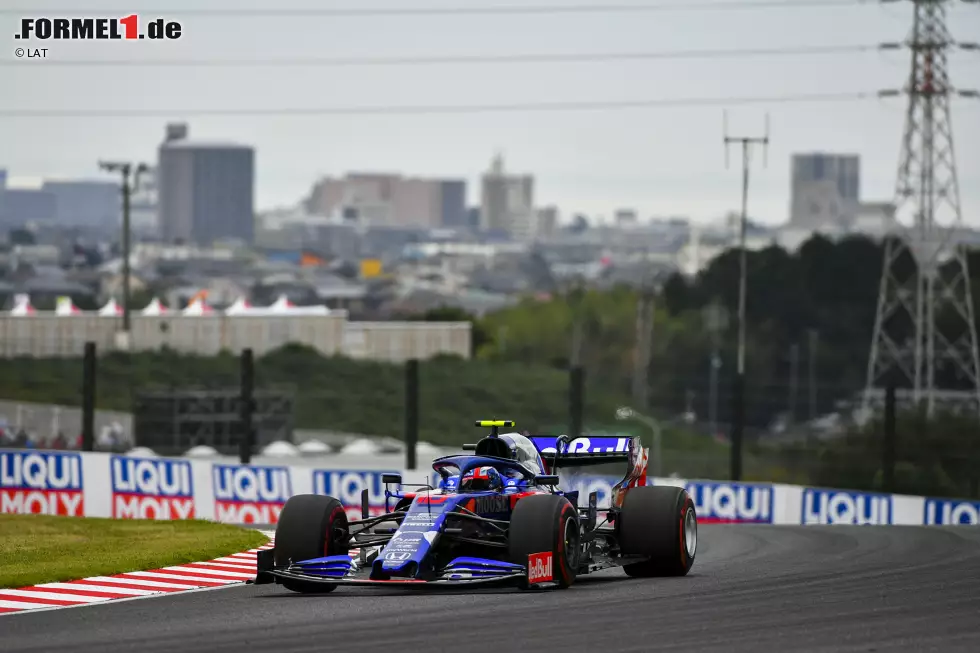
[495, 517]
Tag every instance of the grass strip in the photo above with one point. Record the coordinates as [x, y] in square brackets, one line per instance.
[38, 549]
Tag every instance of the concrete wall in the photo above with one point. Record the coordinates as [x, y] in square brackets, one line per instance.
[42, 335]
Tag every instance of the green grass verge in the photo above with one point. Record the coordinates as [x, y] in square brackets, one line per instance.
[42, 549]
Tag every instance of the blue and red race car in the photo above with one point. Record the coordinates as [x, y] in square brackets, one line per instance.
[496, 515]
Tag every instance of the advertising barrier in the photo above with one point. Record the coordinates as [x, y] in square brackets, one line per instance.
[124, 487]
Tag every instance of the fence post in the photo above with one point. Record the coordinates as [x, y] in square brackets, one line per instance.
[888, 444]
[576, 400]
[411, 412]
[247, 407]
[738, 426]
[88, 398]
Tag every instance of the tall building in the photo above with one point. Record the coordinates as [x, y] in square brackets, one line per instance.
[206, 191]
[826, 189]
[454, 204]
[64, 203]
[507, 202]
[24, 205]
[385, 199]
[83, 203]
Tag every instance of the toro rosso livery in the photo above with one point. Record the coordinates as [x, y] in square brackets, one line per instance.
[496, 516]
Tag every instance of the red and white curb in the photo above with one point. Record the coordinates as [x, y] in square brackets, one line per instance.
[220, 572]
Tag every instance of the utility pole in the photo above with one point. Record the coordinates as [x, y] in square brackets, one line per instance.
[576, 295]
[738, 413]
[715, 318]
[812, 372]
[126, 170]
[925, 329]
[794, 382]
[644, 344]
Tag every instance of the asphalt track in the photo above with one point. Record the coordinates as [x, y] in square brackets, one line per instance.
[753, 588]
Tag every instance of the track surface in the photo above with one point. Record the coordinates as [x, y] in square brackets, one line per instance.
[753, 588]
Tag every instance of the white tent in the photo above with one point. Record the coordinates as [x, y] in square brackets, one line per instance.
[238, 307]
[22, 305]
[65, 306]
[282, 305]
[111, 308]
[197, 307]
[155, 307]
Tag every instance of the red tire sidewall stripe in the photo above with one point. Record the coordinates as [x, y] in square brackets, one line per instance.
[331, 520]
[565, 571]
[685, 558]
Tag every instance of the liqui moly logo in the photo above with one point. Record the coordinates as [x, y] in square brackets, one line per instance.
[41, 483]
[539, 568]
[250, 495]
[586, 485]
[835, 507]
[151, 489]
[943, 512]
[731, 503]
[346, 486]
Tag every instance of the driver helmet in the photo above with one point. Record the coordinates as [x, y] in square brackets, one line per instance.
[481, 479]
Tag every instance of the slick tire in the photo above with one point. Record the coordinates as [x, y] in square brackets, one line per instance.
[546, 523]
[659, 522]
[310, 526]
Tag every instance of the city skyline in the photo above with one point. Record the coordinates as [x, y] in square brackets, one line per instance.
[659, 161]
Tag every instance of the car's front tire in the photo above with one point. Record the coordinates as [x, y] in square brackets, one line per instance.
[546, 524]
[310, 526]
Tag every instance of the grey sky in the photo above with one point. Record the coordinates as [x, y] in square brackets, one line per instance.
[660, 161]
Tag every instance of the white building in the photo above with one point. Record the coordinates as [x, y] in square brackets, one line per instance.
[826, 189]
[507, 203]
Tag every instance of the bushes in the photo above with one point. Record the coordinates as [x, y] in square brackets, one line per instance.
[338, 394]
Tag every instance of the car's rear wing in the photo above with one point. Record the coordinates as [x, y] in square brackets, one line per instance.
[562, 451]
[585, 450]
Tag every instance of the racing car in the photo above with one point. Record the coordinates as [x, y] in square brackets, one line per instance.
[494, 514]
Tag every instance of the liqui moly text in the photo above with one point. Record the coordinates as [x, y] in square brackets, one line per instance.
[41, 483]
[346, 486]
[151, 488]
[250, 495]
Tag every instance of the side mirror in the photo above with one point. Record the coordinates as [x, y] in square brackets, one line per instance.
[546, 480]
[469, 447]
[391, 479]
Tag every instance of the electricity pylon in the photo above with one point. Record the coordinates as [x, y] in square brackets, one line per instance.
[925, 340]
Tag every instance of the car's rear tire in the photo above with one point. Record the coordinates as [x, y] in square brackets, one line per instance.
[546, 523]
[310, 526]
[659, 522]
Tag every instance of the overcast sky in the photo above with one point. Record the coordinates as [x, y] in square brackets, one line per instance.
[665, 161]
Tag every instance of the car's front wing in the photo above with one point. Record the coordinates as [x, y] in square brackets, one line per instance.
[268, 573]
[270, 576]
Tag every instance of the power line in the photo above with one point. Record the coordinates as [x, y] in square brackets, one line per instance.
[569, 57]
[438, 109]
[287, 12]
